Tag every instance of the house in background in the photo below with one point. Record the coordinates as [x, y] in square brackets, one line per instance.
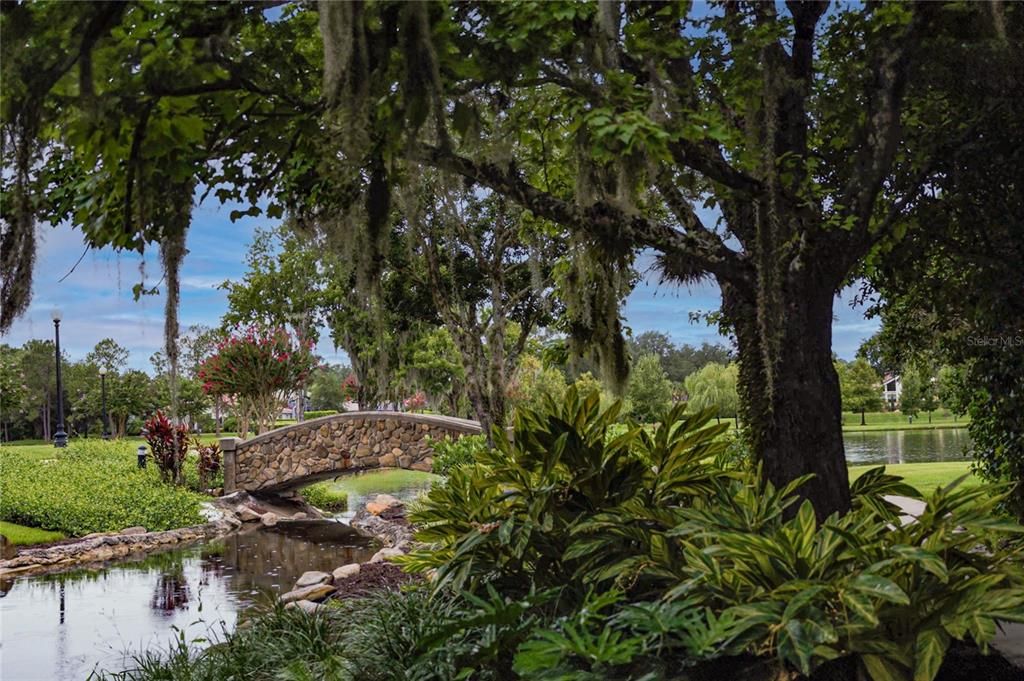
[892, 388]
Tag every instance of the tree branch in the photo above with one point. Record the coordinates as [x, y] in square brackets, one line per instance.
[602, 221]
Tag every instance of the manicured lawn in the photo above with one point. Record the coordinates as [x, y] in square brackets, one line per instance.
[926, 476]
[19, 535]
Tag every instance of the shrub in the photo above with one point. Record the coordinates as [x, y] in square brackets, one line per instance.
[208, 460]
[450, 454]
[92, 486]
[513, 517]
[326, 497]
[168, 444]
[318, 414]
[663, 558]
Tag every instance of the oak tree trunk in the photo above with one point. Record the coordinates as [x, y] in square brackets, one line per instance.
[793, 409]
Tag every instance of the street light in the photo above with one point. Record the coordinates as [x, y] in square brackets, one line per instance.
[60, 438]
[103, 393]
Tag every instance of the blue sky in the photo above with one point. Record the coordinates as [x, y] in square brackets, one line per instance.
[96, 299]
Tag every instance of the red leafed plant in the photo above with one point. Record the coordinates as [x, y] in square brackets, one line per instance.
[209, 461]
[169, 444]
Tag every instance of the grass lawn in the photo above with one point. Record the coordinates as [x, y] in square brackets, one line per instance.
[925, 476]
[19, 535]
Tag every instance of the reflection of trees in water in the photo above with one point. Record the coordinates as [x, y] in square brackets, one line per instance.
[171, 593]
[211, 563]
[172, 590]
[273, 561]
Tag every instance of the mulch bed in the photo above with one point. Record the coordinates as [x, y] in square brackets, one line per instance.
[373, 577]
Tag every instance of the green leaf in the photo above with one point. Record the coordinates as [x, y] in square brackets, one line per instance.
[795, 646]
[882, 668]
[880, 587]
[929, 651]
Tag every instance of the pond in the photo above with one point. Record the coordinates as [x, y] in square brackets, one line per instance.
[906, 446]
[63, 626]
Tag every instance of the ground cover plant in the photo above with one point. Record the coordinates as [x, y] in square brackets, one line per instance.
[92, 486]
[326, 497]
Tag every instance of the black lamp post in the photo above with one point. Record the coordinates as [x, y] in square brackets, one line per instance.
[103, 402]
[60, 438]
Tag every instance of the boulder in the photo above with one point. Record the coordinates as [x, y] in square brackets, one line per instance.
[315, 593]
[269, 519]
[313, 577]
[301, 515]
[138, 529]
[247, 515]
[308, 607]
[382, 503]
[384, 554]
[346, 571]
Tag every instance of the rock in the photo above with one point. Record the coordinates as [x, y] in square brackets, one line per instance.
[384, 554]
[138, 529]
[314, 593]
[247, 515]
[385, 501]
[300, 516]
[269, 519]
[313, 577]
[308, 607]
[346, 571]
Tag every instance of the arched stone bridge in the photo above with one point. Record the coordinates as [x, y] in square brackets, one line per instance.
[297, 455]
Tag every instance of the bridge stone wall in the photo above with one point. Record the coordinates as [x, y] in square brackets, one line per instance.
[322, 448]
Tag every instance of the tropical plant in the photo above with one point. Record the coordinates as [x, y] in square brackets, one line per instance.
[168, 445]
[208, 461]
[512, 518]
[450, 454]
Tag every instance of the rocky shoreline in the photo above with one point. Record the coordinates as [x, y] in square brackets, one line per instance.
[383, 518]
[385, 522]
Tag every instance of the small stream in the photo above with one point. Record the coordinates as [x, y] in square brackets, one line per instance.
[61, 627]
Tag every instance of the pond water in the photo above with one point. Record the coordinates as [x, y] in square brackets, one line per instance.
[906, 446]
[63, 626]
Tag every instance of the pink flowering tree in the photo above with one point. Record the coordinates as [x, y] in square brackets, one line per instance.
[258, 368]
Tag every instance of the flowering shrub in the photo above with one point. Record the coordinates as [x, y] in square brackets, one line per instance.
[169, 445]
[415, 402]
[257, 368]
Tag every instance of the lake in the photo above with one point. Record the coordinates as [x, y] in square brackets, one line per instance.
[906, 446]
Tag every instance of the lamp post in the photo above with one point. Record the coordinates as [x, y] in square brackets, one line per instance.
[60, 438]
[103, 402]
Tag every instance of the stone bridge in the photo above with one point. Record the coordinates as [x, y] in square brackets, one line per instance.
[297, 455]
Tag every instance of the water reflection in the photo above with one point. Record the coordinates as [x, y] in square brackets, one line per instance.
[62, 626]
[906, 446]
